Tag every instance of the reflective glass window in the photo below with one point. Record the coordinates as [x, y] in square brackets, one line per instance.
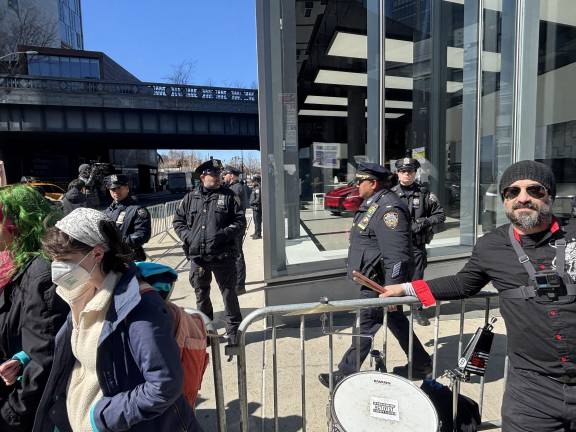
[75, 67]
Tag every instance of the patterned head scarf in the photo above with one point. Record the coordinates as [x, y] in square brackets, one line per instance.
[82, 224]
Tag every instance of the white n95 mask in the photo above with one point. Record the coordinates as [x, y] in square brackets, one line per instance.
[71, 276]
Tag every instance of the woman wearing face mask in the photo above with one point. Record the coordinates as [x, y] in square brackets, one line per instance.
[116, 362]
[30, 311]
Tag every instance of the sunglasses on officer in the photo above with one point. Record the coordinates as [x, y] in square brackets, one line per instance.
[535, 191]
[406, 171]
[358, 181]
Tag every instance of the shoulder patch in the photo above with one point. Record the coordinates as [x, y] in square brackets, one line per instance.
[391, 219]
[433, 198]
[142, 212]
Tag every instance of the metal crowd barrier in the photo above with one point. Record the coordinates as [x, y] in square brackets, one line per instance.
[162, 216]
[326, 310]
[216, 368]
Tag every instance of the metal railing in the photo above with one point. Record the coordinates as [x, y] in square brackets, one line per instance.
[214, 339]
[326, 310]
[96, 87]
[162, 216]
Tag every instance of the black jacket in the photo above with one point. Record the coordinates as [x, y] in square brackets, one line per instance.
[540, 334]
[425, 211]
[31, 313]
[256, 198]
[380, 240]
[240, 192]
[134, 223]
[72, 200]
[208, 222]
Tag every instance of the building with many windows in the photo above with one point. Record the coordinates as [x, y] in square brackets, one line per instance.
[467, 87]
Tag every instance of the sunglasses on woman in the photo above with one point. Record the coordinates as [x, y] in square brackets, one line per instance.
[535, 191]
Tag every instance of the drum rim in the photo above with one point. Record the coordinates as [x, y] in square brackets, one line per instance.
[334, 417]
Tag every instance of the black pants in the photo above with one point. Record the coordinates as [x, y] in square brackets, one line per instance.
[240, 264]
[257, 213]
[370, 322]
[225, 273]
[420, 261]
[536, 403]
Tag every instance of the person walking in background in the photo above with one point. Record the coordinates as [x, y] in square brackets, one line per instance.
[208, 221]
[132, 219]
[31, 313]
[117, 364]
[88, 175]
[232, 180]
[426, 213]
[256, 205]
[75, 197]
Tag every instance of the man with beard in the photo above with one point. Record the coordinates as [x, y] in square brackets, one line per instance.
[532, 264]
[208, 221]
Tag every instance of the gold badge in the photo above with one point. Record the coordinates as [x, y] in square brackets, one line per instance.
[391, 219]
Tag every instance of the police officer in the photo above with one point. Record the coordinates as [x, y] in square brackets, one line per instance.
[208, 221]
[256, 205]
[232, 180]
[87, 174]
[132, 219]
[532, 264]
[380, 248]
[425, 212]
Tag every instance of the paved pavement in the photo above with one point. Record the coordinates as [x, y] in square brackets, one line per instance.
[260, 356]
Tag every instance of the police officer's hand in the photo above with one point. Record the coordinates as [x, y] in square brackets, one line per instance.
[393, 291]
[419, 224]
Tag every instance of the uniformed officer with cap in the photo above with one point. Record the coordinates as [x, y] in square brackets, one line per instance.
[133, 220]
[208, 221]
[380, 248]
[425, 213]
[256, 205]
[232, 180]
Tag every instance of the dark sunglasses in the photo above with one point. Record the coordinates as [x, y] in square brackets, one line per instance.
[360, 180]
[407, 171]
[535, 191]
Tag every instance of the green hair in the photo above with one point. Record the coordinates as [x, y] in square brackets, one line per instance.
[31, 214]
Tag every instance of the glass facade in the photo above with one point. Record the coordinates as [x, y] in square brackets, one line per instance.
[71, 24]
[64, 67]
[467, 87]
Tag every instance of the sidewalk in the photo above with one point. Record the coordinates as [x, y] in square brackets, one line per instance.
[259, 366]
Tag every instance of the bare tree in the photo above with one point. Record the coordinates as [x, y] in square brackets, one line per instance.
[27, 27]
[182, 73]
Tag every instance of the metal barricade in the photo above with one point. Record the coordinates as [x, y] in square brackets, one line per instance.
[158, 218]
[169, 212]
[216, 368]
[326, 310]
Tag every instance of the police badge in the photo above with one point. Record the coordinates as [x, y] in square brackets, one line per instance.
[391, 219]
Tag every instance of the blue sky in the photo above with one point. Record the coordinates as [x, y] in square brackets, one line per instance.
[150, 37]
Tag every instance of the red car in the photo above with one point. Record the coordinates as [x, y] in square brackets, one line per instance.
[342, 199]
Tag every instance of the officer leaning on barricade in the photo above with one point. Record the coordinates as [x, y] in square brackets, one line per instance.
[425, 212]
[208, 221]
[232, 180]
[380, 248]
[132, 219]
[532, 264]
[256, 205]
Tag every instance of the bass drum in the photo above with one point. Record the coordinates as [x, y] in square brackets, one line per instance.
[374, 401]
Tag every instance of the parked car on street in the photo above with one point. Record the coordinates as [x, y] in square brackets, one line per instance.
[343, 199]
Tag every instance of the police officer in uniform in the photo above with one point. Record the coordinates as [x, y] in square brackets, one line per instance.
[532, 263]
[132, 219]
[208, 221]
[425, 212]
[232, 180]
[256, 205]
[380, 248]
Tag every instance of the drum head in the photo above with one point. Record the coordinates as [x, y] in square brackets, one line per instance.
[374, 401]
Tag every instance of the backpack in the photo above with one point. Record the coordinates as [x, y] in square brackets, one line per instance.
[189, 328]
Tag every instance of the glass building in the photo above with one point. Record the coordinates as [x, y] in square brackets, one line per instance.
[70, 24]
[467, 87]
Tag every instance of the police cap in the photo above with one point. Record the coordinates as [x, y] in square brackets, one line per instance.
[256, 178]
[116, 180]
[212, 166]
[407, 163]
[231, 170]
[371, 171]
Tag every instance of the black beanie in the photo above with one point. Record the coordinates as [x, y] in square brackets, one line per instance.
[529, 170]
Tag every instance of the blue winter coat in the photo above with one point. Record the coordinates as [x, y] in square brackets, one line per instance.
[139, 370]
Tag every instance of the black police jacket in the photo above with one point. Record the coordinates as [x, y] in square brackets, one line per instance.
[133, 220]
[540, 333]
[425, 211]
[31, 313]
[256, 198]
[239, 191]
[208, 222]
[380, 239]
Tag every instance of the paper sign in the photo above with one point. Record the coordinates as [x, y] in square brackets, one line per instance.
[386, 409]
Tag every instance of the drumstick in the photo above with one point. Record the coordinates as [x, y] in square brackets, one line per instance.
[367, 282]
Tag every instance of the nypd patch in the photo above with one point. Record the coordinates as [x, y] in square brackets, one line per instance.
[142, 212]
[391, 219]
[432, 198]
